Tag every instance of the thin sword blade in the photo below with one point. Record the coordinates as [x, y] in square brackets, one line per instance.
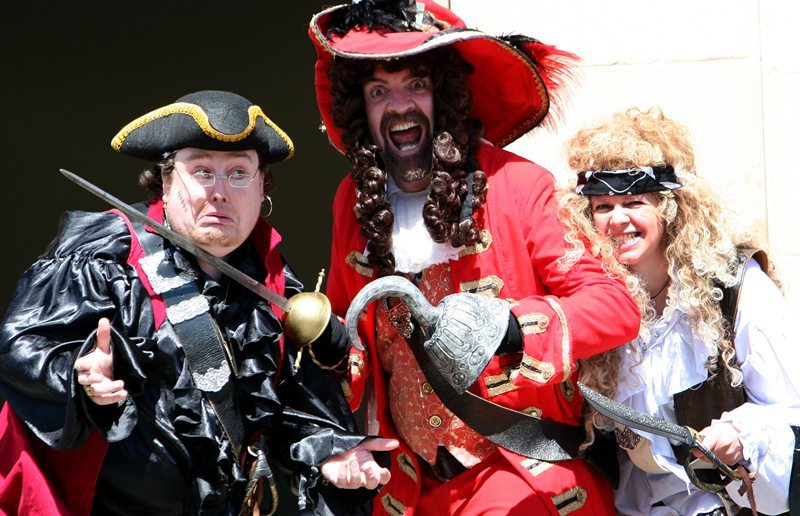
[635, 419]
[182, 242]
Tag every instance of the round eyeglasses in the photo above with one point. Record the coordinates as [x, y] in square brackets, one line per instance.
[236, 179]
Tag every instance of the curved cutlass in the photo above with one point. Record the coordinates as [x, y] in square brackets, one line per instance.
[645, 422]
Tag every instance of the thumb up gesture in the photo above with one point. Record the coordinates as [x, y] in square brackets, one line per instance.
[95, 370]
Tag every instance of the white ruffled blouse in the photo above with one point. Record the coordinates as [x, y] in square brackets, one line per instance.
[674, 360]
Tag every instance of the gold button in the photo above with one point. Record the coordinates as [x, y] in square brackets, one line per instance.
[426, 388]
[435, 421]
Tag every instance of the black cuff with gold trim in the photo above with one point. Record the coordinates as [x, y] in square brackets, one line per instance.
[332, 348]
[512, 343]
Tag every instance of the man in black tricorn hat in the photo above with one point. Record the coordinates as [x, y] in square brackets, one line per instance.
[421, 105]
[137, 376]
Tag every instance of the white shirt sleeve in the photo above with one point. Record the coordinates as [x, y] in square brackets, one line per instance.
[767, 352]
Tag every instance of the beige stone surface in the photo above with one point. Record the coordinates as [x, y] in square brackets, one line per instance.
[629, 31]
[675, 87]
[780, 41]
[788, 268]
[781, 117]
[729, 72]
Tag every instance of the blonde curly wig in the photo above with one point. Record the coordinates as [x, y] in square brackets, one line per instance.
[701, 241]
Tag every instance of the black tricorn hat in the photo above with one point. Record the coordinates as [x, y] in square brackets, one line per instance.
[211, 120]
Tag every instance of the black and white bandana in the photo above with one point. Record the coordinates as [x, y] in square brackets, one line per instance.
[631, 181]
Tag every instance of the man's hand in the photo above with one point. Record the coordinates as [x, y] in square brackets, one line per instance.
[95, 370]
[357, 468]
[722, 439]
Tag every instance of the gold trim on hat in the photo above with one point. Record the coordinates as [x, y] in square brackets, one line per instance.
[200, 116]
[527, 125]
[314, 24]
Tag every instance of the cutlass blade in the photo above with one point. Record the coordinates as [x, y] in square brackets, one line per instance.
[635, 419]
[645, 422]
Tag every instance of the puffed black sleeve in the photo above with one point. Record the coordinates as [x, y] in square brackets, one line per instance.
[317, 422]
[52, 320]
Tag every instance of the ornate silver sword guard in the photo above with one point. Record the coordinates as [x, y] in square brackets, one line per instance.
[461, 333]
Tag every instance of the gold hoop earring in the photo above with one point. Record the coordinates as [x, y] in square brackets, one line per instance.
[166, 220]
[267, 198]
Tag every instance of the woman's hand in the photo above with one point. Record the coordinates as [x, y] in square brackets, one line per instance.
[722, 439]
[95, 370]
[357, 467]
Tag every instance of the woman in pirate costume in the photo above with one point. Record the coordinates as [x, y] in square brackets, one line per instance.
[136, 375]
[700, 360]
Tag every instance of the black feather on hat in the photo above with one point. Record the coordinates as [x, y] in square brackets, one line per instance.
[212, 120]
[370, 14]
[556, 68]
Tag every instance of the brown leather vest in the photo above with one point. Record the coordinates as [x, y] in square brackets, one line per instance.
[698, 405]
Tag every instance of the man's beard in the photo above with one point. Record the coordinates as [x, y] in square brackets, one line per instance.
[411, 168]
[209, 236]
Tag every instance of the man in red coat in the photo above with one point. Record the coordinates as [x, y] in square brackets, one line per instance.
[421, 106]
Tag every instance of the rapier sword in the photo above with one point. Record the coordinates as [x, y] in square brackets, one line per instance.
[307, 313]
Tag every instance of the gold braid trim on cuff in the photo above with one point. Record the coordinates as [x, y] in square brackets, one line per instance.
[566, 339]
[336, 367]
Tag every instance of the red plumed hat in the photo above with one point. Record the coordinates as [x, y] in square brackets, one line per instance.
[515, 84]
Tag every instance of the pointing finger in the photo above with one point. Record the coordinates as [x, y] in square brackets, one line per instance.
[380, 444]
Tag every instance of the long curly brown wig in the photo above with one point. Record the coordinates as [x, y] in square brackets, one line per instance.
[457, 187]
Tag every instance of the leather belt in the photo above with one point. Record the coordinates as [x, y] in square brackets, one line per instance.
[197, 332]
[529, 436]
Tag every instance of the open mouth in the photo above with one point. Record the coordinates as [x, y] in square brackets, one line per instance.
[405, 136]
[625, 238]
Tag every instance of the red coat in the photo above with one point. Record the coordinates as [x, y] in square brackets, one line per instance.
[564, 316]
[36, 479]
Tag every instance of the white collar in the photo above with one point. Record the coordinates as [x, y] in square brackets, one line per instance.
[413, 248]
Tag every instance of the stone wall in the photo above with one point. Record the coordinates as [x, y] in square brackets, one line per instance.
[726, 70]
